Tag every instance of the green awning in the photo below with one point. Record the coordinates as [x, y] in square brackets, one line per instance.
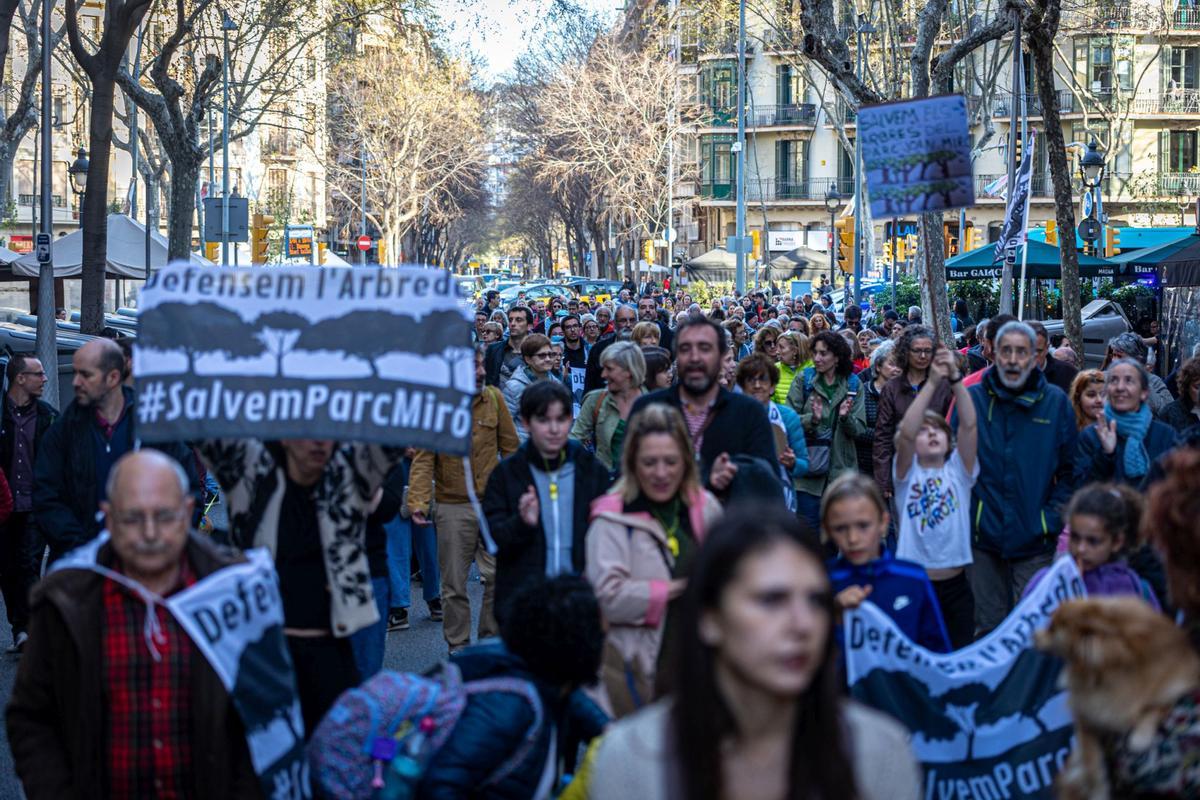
[1043, 262]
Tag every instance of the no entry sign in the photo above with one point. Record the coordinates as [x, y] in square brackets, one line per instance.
[364, 243]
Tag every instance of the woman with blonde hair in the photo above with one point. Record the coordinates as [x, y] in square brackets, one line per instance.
[603, 416]
[792, 356]
[1087, 397]
[643, 536]
[646, 334]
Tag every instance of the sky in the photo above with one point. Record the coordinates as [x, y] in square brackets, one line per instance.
[497, 31]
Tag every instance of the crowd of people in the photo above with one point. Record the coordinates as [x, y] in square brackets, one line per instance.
[670, 509]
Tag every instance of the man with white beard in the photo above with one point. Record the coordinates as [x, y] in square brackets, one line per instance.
[1026, 451]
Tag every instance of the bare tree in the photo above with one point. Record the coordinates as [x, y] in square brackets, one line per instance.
[121, 19]
[422, 127]
[1041, 25]
[605, 117]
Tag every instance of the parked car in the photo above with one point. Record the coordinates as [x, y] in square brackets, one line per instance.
[1102, 320]
[16, 338]
[535, 291]
[593, 290]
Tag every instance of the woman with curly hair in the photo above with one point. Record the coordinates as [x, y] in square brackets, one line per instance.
[913, 355]
[766, 341]
[829, 400]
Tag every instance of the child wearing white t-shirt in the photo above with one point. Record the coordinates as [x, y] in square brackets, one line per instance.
[933, 479]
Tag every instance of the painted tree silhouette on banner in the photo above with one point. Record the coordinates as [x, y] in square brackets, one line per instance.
[366, 334]
[278, 331]
[452, 337]
[197, 329]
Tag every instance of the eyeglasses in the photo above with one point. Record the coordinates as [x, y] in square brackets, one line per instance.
[162, 518]
[546, 354]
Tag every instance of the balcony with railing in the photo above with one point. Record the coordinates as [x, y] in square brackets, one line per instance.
[759, 116]
[57, 201]
[1186, 18]
[1003, 104]
[1179, 184]
[771, 190]
[284, 143]
[1172, 101]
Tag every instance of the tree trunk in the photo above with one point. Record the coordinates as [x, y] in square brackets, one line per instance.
[94, 218]
[1041, 46]
[185, 173]
[934, 303]
[7, 201]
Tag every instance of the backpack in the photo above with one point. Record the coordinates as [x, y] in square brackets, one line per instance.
[374, 726]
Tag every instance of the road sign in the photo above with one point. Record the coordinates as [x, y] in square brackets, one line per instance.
[672, 235]
[733, 244]
[364, 243]
[43, 248]
[239, 219]
[1089, 229]
[300, 243]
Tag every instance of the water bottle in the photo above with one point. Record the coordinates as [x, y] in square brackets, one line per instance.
[404, 771]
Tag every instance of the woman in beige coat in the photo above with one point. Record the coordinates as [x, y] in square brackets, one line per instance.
[640, 544]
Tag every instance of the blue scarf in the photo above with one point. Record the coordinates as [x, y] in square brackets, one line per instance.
[1133, 425]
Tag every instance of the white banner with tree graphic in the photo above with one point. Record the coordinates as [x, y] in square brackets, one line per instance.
[364, 354]
[988, 721]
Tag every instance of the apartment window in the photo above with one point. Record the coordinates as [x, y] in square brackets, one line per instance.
[717, 168]
[790, 87]
[1100, 70]
[277, 181]
[1182, 64]
[58, 112]
[790, 166]
[846, 161]
[718, 87]
[1177, 151]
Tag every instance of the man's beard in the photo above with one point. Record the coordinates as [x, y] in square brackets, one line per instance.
[1016, 383]
[624, 334]
[698, 383]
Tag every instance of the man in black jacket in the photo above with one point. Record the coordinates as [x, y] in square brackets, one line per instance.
[24, 420]
[722, 424]
[624, 320]
[537, 500]
[79, 449]
[504, 357]
[648, 312]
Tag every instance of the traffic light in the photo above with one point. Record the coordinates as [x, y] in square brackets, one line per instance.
[972, 240]
[1051, 232]
[887, 252]
[845, 244]
[911, 240]
[1112, 241]
[258, 237]
[648, 251]
[755, 244]
[321, 248]
[381, 251]
[212, 251]
[901, 250]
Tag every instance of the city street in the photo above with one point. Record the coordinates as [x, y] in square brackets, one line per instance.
[416, 650]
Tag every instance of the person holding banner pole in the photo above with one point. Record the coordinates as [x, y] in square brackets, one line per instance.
[444, 478]
[307, 502]
[100, 706]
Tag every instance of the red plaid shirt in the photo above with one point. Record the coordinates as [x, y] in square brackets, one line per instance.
[148, 703]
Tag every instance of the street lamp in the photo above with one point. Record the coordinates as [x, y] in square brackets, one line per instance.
[227, 25]
[78, 173]
[1091, 165]
[1091, 168]
[832, 201]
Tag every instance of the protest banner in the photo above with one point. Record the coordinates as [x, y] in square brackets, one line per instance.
[988, 721]
[916, 155]
[1016, 216]
[361, 354]
[234, 617]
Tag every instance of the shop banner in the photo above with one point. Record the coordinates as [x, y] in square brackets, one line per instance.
[987, 721]
[363, 354]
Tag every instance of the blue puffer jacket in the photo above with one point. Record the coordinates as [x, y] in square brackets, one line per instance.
[1026, 464]
[493, 726]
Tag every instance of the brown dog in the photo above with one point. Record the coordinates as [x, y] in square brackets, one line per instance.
[1126, 665]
